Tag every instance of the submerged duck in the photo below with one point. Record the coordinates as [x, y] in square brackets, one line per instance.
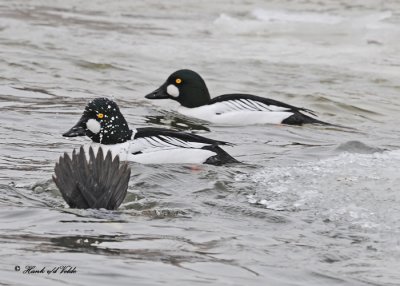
[189, 89]
[103, 122]
[95, 182]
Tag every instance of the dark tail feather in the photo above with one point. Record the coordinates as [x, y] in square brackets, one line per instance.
[221, 158]
[300, 119]
[99, 183]
[308, 119]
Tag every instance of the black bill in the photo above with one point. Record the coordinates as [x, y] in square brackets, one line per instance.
[78, 130]
[160, 93]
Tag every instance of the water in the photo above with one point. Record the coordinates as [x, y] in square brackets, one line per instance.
[311, 206]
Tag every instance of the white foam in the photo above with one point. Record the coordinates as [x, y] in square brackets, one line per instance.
[356, 189]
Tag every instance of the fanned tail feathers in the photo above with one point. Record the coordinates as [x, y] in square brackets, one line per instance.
[98, 183]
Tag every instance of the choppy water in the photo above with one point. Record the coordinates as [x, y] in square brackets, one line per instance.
[312, 206]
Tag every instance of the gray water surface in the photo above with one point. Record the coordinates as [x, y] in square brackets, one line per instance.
[312, 205]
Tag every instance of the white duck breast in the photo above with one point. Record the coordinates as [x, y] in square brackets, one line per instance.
[239, 112]
[152, 150]
[172, 156]
[166, 149]
[121, 149]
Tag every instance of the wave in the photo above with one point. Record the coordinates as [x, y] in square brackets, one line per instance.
[355, 190]
[262, 20]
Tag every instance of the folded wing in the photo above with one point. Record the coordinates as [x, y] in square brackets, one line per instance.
[156, 139]
[248, 102]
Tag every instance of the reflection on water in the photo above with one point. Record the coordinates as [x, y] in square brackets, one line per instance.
[84, 244]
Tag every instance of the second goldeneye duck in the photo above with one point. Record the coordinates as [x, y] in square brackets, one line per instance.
[103, 122]
[189, 89]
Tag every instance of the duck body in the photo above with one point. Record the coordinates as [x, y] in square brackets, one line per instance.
[151, 145]
[108, 129]
[246, 109]
[190, 90]
[164, 146]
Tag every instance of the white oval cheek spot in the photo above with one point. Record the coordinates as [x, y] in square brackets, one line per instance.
[93, 126]
[172, 90]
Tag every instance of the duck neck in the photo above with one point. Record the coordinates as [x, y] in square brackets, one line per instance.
[196, 96]
[113, 133]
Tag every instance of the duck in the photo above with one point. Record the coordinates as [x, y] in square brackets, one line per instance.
[92, 180]
[189, 89]
[103, 122]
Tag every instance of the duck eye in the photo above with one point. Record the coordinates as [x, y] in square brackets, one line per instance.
[178, 81]
[100, 115]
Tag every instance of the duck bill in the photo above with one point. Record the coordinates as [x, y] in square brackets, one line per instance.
[159, 93]
[77, 130]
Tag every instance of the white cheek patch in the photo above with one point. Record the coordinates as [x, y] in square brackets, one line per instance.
[172, 90]
[93, 126]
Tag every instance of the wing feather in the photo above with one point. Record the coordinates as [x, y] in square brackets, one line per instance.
[247, 105]
[98, 183]
[257, 102]
[163, 142]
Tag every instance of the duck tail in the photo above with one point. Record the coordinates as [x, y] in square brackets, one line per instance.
[299, 118]
[99, 182]
[222, 157]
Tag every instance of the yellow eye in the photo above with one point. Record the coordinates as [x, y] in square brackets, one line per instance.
[100, 115]
[178, 80]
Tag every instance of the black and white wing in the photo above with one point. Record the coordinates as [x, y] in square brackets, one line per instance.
[157, 145]
[159, 138]
[248, 102]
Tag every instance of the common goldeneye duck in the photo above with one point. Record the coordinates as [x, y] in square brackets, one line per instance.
[104, 124]
[95, 181]
[189, 89]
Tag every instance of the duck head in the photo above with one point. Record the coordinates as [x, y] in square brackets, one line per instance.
[185, 86]
[102, 122]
